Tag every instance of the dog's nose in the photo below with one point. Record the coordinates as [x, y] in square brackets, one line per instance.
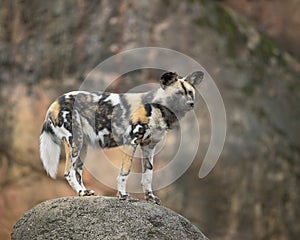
[190, 104]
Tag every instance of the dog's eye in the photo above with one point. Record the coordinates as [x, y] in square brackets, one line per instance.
[178, 92]
[190, 92]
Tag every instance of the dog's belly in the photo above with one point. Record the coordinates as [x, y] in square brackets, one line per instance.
[103, 138]
[108, 129]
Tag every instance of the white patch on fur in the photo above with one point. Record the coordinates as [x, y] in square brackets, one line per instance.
[64, 113]
[147, 175]
[121, 182]
[137, 128]
[96, 97]
[181, 79]
[147, 180]
[49, 153]
[61, 132]
[128, 130]
[117, 129]
[71, 178]
[74, 93]
[88, 130]
[114, 98]
[101, 135]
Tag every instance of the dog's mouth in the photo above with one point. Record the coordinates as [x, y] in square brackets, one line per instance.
[190, 105]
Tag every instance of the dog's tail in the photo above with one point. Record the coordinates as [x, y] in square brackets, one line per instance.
[50, 147]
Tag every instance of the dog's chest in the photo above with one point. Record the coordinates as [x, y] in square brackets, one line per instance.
[157, 134]
[157, 126]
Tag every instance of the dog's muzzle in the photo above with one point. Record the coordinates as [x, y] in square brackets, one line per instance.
[190, 104]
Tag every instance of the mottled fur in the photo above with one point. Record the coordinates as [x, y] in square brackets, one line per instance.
[78, 119]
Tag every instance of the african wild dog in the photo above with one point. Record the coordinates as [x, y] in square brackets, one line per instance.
[77, 119]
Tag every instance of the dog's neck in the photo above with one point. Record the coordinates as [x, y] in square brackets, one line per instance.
[170, 118]
[157, 98]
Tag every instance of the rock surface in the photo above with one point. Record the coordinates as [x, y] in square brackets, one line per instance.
[102, 218]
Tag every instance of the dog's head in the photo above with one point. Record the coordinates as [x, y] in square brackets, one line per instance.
[179, 92]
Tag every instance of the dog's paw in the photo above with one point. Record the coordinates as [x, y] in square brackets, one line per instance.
[83, 193]
[126, 197]
[123, 196]
[152, 198]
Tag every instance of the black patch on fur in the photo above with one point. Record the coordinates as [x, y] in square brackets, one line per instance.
[70, 140]
[147, 165]
[66, 105]
[103, 120]
[148, 109]
[108, 141]
[168, 78]
[78, 177]
[184, 89]
[47, 128]
[168, 116]
[138, 136]
[103, 113]
[86, 108]
[68, 125]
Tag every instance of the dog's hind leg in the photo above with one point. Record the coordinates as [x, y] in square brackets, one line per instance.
[70, 173]
[78, 167]
[73, 148]
[79, 164]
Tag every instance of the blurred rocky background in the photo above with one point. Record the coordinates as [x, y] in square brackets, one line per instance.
[250, 48]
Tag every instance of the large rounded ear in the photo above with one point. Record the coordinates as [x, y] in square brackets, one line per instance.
[167, 79]
[195, 78]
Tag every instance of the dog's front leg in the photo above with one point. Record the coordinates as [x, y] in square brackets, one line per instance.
[148, 153]
[128, 154]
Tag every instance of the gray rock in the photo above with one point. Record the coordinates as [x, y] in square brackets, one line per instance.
[102, 218]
